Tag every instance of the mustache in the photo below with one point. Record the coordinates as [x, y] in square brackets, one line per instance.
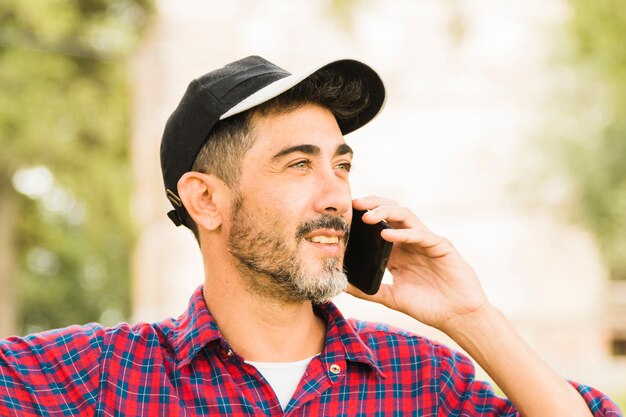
[326, 221]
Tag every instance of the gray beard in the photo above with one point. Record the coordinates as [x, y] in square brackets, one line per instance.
[272, 267]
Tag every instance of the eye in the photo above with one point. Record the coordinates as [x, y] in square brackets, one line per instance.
[304, 163]
[346, 166]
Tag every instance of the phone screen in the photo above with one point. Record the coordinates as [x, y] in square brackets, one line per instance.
[367, 254]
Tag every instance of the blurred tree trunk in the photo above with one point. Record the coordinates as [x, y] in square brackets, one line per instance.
[8, 218]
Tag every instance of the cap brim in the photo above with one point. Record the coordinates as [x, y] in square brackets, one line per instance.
[370, 78]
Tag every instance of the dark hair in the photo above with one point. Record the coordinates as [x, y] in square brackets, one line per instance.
[229, 140]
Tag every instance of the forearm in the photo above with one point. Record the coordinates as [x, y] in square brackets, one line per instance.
[534, 388]
[433, 284]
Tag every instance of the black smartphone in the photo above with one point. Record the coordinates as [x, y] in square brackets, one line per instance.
[367, 254]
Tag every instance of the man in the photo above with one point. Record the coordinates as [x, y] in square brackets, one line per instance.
[255, 164]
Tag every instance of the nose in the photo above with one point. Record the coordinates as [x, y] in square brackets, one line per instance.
[332, 194]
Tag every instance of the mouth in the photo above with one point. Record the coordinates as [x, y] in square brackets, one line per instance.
[326, 235]
[325, 239]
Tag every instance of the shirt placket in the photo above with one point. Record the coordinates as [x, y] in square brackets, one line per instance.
[250, 382]
[321, 375]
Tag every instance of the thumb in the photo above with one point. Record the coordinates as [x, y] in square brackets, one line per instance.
[354, 291]
[379, 297]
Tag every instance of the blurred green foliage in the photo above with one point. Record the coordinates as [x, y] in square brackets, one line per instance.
[64, 139]
[595, 154]
[342, 11]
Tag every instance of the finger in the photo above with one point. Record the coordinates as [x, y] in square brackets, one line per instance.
[380, 297]
[399, 217]
[354, 291]
[371, 202]
[430, 243]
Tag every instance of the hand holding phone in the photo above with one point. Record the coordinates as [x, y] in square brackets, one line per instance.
[367, 254]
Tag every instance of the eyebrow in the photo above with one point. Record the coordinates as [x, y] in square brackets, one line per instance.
[312, 150]
[343, 149]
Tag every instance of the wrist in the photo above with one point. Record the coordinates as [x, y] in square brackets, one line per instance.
[484, 321]
[533, 387]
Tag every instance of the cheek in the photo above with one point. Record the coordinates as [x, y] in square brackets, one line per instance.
[291, 197]
[279, 201]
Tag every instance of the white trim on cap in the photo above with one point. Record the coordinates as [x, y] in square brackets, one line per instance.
[273, 90]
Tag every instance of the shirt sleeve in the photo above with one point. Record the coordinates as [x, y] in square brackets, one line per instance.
[51, 372]
[461, 394]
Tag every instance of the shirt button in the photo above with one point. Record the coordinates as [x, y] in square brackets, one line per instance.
[335, 369]
[227, 353]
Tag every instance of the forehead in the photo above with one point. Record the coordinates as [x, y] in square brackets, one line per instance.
[307, 124]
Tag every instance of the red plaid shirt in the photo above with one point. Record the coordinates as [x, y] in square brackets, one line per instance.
[183, 367]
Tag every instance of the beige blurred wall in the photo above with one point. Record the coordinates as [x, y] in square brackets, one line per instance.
[467, 90]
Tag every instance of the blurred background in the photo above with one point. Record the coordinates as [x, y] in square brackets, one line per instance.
[504, 130]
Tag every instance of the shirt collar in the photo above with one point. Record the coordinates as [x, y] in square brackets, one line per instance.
[341, 334]
[196, 328]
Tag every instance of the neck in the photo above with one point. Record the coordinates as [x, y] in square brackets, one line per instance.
[260, 328]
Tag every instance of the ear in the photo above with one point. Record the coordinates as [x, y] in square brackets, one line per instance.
[205, 197]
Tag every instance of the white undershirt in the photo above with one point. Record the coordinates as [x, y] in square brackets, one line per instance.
[283, 377]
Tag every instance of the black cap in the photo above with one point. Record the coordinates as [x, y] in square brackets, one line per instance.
[231, 90]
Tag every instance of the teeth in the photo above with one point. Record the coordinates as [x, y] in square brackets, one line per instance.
[325, 239]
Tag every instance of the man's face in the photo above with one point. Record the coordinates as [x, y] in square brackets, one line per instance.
[291, 215]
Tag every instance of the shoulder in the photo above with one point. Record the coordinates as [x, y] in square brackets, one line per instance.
[375, 332]
[139, 340]
[40, 370]
[67, 340]
[76, 342]
[403, 343]
[141, 333]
